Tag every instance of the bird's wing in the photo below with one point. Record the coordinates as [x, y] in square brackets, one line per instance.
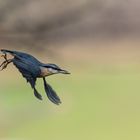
[51, 93]
[32, 81]
[28, 66]
[28, 73]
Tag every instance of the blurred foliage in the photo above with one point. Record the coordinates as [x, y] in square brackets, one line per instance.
[32, 23]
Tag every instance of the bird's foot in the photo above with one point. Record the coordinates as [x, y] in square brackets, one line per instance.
[5, 63]
[4, 56]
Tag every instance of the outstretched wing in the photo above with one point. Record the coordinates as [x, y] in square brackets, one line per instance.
[29, 73]
[32, 81]
[51, 93]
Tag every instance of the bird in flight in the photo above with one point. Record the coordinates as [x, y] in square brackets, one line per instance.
[31, 69]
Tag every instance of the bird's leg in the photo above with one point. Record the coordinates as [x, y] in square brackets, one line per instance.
[4, 56]
[6, 62]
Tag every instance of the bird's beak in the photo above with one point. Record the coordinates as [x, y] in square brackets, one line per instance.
[64, 72]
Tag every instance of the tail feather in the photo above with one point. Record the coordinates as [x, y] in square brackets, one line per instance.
[4, 50]
[7, 51]
[51, 93]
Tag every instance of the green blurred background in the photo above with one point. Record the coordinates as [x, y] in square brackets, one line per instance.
[98, 43]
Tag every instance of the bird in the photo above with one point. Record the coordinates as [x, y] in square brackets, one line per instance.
[31, 69]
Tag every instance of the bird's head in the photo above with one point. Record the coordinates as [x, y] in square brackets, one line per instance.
[49, 69]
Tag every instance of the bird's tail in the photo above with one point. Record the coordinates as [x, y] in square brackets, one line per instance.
[51, 93]
[7, 51]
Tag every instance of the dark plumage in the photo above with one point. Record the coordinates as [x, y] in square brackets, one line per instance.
[31, 69]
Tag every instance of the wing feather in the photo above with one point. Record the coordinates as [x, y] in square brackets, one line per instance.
[29, 73]
[51, 93]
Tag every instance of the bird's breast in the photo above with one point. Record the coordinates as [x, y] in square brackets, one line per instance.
[44, 72]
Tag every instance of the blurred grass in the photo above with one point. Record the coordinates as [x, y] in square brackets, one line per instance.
[100, 99]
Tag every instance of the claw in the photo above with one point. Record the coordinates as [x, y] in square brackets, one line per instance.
[5, 63]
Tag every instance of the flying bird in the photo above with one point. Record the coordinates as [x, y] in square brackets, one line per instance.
[31, 69]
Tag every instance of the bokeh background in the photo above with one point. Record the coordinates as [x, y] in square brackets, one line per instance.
[98, 42]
